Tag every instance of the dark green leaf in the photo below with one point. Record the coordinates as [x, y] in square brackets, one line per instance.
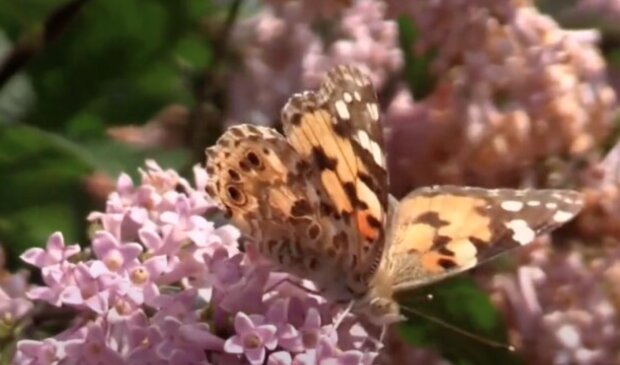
[417, 67]
[457, 302]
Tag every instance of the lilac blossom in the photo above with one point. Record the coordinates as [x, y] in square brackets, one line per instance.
[164, 285]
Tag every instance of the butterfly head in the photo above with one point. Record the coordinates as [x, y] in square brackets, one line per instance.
[378, 304]
[381, 311]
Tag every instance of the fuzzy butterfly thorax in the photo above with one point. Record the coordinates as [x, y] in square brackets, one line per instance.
[315, 199]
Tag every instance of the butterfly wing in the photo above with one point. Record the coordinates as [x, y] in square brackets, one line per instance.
[338, 130]
[266, 188]
[440, 231]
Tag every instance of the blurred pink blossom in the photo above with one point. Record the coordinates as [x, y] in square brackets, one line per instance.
[282, 55]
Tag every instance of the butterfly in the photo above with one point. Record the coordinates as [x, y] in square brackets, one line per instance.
[316, 201]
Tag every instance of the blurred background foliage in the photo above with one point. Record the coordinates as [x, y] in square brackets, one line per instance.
[71, 72]
[88, 66]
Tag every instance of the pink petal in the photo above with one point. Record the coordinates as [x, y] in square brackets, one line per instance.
[255, 356]
[97, 269]
[234, 345]
[243, 323]
[280, 358]
[103, 243]
[200, 335]
[131, 251]
[72, 295]
[56, 246]
[313, 319]
[72, 250]
[278, 311]
[44, 294]
[35, 256]
[169, 217]
[350, 358]
[267, 333]
[124, 184]
[99, 302]
[156, 265]
[150, 239]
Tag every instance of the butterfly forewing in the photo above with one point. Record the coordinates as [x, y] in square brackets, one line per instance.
[440, 231]
[337, 129]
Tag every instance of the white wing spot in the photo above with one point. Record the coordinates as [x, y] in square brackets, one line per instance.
[512, 205]
[373, 110]
[342, 110]
[533, 203]
[371, 146]
[347, 97]
[357, 96]
[561, 216]
[521, 231]
[551, 205]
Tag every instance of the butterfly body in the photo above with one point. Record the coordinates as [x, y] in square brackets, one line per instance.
[316, 201]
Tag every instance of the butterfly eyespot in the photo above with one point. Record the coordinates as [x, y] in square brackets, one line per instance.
[244, 166]
[314, 231]
[253, 159]
[234, 175]
[211, 191]
[235, 195]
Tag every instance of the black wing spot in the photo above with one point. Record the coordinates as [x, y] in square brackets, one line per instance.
[349, 189]
[447, 264]
[432, 219]
[445, 251]
[323, 161]
[480, 245]
[373, 221]
[300, 208]
[441, 241]
[296, 119]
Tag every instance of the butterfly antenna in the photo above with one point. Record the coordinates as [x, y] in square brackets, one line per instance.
[458, 330]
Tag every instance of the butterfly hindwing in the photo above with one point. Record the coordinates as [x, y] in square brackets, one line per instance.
[338, 130]
[440, 231]
[265, 187]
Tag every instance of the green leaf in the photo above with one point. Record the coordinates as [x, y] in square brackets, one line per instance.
[459, 303]
[42, 187]
[418, 75]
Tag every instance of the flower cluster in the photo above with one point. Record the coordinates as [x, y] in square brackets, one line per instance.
[14, 306]
[282, 54]
[513, 89]
[560, 306]
[161, 284]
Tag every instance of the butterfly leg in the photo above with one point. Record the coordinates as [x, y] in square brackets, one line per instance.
[342, 315]
[294, 283]
[384, 330]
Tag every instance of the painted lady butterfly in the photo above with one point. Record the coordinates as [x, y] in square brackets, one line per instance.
[316, 201]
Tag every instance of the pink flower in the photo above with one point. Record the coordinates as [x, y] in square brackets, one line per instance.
[55, 252]
[46, 352]
[12, 308]
[252, 339]
[92, 350]
[163, 282]
[115, 255]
